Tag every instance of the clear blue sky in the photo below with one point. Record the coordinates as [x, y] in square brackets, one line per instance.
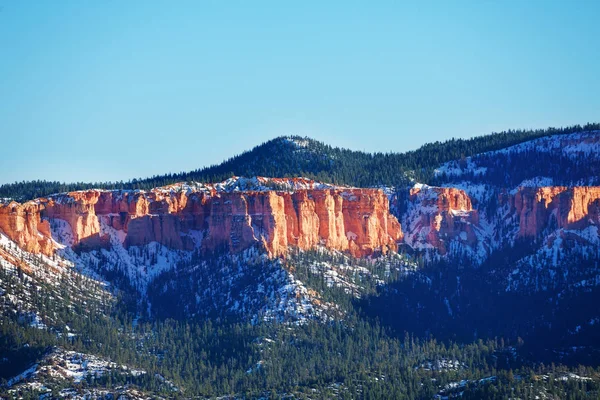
[111, 90]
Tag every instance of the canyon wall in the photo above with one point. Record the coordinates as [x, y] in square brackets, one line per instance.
[556, 207]
[440, 215]
[353, 220]
[23, 225]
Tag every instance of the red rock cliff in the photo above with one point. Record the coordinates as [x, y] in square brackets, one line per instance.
[353, 220]
[562, 207]
[441, 214]
[22, 224]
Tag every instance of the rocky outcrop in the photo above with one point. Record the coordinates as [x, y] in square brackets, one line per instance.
[22, 224]
[78, 210]
[346, 219]
[442, 198]
[213, 217]
[439, 215]
[585, 205]
[555, 207]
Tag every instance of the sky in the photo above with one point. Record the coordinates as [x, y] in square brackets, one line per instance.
[112, 90]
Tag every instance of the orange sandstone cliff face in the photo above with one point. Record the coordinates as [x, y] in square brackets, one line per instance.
[353, 220]
[444, 198]
[559, 207]
[438, 216]
[22, 224]
[79, 212]
[442, 214]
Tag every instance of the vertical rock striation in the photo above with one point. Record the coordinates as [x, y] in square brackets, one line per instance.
[345, 219]
[555, 206]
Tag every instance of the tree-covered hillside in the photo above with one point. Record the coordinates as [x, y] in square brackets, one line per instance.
[298, 156]
[357, 357]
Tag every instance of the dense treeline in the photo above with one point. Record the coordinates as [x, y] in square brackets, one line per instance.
[209, 287]
[351, 358]
[508, 169]
[297, 156]
[454, 301]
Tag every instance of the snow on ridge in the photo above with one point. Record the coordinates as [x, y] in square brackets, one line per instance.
[425, 192]
[454, 168]
[233, 184]
[572, 145]
[569, 144]
[61, 366]
[299, 143]
[264, 184]
[476, 191]
[536, 182]
[250, 184]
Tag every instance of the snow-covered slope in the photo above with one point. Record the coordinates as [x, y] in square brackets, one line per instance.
[572, 159]
[249, 184]
[253, 286]
[65, 373]
[576, 146]
[442, 221]
[28, 282]
[489, 203]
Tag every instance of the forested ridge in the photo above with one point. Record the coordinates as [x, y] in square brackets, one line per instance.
[284, 157]
[352, 358]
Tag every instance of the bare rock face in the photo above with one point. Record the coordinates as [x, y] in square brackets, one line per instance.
[78, 210]
[353, 220]
[555, 207]
[303, 215]
[585, 205]
[443, 198]
[22, 224]
[368, 222]
[440, 215]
